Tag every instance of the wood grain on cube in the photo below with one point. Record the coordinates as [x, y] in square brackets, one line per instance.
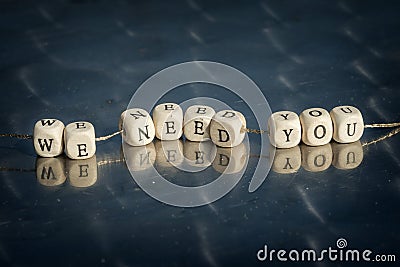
[168, 121]
[79, 138]
[317, 129]
[348, 124]
[48, 137]
[284, 129]
[138, 127]
[197, 121]
[227, 128]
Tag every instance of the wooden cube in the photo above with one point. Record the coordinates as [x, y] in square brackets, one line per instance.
[316, 159]
[168, 121]
[48, 137]
[79, 138]
[228, 128]
[348, 124]
[284, 129]
[197, 121]
[317, 129]
[138, 127]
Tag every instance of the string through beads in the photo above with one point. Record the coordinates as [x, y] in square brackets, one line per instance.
[103, 138]
[19, 136]
[382, 125]
[388, 135]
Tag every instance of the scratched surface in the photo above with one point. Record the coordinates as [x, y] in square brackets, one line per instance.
[83, 60]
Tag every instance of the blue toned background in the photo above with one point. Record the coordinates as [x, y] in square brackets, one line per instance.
[83, 60]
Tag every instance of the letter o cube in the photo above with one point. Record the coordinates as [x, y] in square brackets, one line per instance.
[168, 120]
[348, 124]
[79, 138]
[227, 128]
[317, 129]
[284, 129]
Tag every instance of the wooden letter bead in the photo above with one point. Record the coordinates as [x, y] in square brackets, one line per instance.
[48, 137]
[347, 156]
[348, 124]
[316, 126]
[138, 127]
[168, 120]
[169, 153]
[196, 123]
[287, 160]
[139, 158]
[82, 173]
[230, 160]
[79, 138]
[50, 171]
[284, 129]
[316, 159]
[199, 154]
[227, 128]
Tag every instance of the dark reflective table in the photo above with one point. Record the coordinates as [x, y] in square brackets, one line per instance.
[83, 60]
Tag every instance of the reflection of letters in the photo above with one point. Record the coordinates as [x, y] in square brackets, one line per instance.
[50, 171]
[82, 172]
[223, 160]
[48, 174]
[319, 158]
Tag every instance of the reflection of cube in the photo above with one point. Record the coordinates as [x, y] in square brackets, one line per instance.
[168, 121]
[348, 124]
[347, 156]
[316, 126]
[50, 171]
[138, 127]
[227, 128]
[197, 121]
[230, 160]
[48, 137]
[287, 160]
[199, 154]
[139, 158]
[316, 159]
[80, 140]
[169, 153]
[82, 173]
[284, 129]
